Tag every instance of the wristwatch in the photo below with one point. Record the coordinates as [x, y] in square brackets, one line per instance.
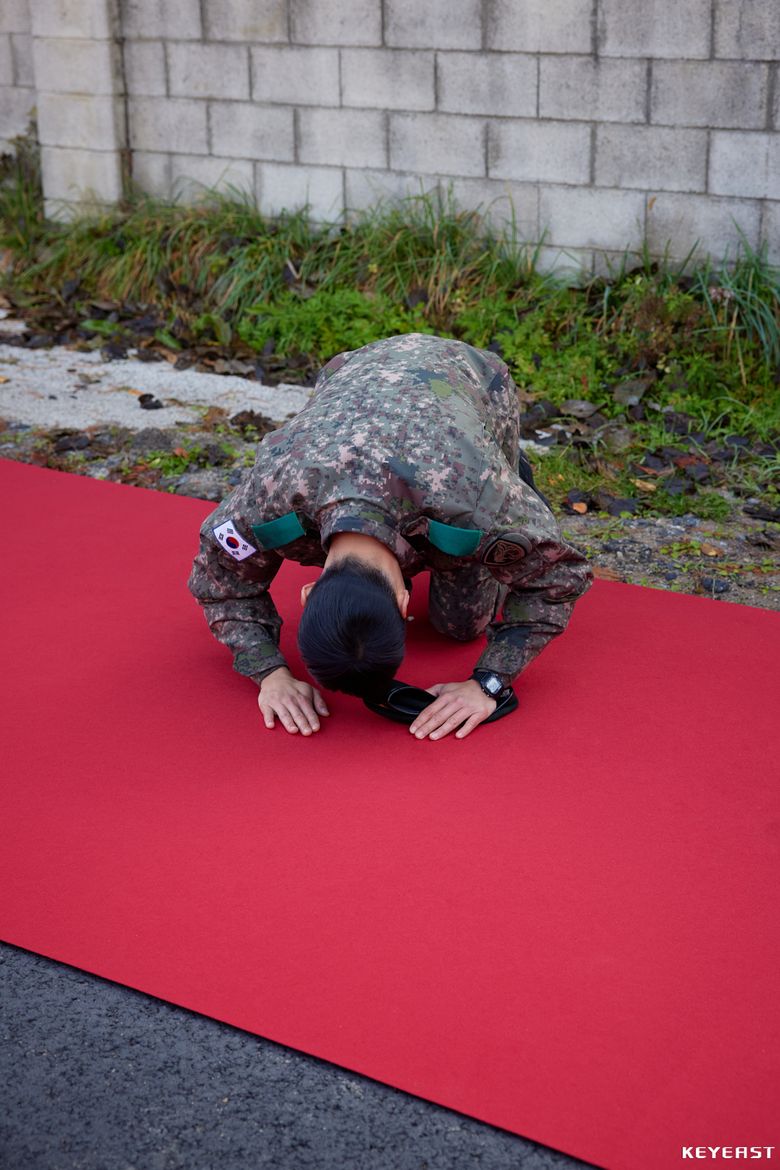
[491, 684]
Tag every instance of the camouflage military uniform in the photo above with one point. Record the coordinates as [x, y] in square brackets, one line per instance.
[412, 440]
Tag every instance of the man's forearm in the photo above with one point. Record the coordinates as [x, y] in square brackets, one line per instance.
[513, 645]
[239, 610]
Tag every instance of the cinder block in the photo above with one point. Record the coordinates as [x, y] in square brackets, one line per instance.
[210, 71]
[81, 176]
[193, 174]
[91, 19]
[299, 76]
[435, 24]
[747, 28]
[155, 19]
[75, 66]
[336, 22]
[80, 120]
[745, 164]
[552, 152]
[291, 188]
[342, 138]
[718, 93]
[15, 16]
[771, 231]
[570, 263]
[531, 26]
[504, 84]
[152, 172]
[584, 88]
[444, 144]
[64, 211]
[145, 68]
[654, 28]
[247, 130]
[607, 263]
[263, 21]
[651, 157]
[21, 51]
[391, 79]
[682, 221]
[6, 60]
[591, 217]
[499, 202]
[168, 124]
[16, 107]
[367, 188]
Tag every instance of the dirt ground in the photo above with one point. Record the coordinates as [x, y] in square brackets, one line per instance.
[734, 561]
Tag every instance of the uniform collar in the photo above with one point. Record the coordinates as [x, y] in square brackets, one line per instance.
[365, 518]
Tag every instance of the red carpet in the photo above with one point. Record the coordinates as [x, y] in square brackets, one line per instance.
[565, 925]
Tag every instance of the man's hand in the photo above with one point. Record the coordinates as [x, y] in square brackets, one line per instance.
[296, 703]
[464, 705]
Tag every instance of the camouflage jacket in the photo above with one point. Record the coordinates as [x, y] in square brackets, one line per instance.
[414, 441]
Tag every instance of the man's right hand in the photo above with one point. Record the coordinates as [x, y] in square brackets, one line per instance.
[297, 704]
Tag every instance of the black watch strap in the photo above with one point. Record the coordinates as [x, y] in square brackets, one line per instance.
[491, 683]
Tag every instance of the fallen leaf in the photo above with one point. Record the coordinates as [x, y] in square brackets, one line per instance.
[686, 460]
[4, 380]
[579, 507]
[762, 539]
[630, 393]
[762, 512]
[645, 485]
[149, 402]
[214, 415]
[618, 438]
[606, 574]
[578, 407]
[711, 550]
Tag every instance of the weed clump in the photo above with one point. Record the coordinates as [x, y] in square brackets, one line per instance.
[619, 357]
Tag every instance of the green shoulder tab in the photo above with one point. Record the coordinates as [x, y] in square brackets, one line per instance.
[456, 542]
[275, 533]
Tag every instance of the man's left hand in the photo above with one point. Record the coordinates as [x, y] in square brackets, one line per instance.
[462, 705]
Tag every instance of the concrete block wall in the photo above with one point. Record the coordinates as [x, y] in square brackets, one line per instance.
[66, 69]
[17, 83]
[602, 122]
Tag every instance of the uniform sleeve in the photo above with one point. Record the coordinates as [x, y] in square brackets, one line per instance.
[235, 599]
[543, 587]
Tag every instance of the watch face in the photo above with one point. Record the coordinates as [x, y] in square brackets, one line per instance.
[493, 684]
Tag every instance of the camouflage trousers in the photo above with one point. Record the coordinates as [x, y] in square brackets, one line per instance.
[462, 602]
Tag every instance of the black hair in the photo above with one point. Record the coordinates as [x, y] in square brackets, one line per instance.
[351, 634]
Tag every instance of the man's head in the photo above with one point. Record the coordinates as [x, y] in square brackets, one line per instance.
[352, 631]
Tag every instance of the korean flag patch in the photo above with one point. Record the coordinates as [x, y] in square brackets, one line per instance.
[233, 542]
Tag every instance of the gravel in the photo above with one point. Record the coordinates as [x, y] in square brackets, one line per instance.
[60, 387]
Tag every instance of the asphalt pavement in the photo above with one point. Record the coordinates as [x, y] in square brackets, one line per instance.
[96, 1076]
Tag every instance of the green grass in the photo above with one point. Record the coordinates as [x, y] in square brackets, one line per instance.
[220, 274]
[22, 223]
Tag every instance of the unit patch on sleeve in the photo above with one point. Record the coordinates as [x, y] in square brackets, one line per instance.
[233, 542]
[505, 550]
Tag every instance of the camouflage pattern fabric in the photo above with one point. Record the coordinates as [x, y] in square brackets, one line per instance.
[402, 432]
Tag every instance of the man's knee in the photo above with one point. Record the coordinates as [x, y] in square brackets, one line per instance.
[462, 605]
[463, 627]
